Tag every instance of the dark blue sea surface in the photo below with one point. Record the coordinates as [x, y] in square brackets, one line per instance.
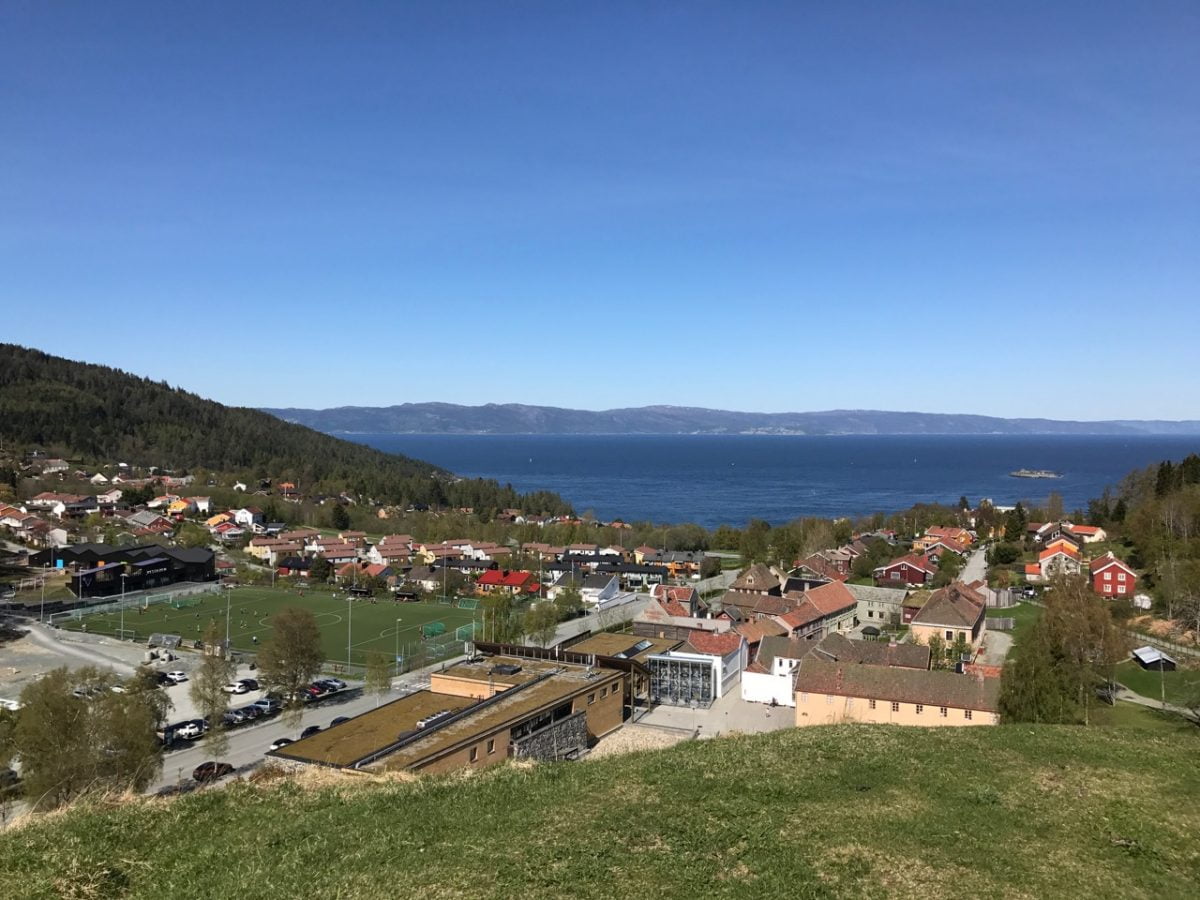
[714, 479]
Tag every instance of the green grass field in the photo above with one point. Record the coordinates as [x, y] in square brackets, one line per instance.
[368, 626]
[1182, 686]
[1028, 811]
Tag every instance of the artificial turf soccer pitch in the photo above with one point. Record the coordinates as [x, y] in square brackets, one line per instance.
[369, 626]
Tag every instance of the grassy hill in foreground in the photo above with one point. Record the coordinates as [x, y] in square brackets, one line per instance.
[1015, 811]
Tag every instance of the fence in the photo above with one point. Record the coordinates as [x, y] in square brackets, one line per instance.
[1001, 624]
[135, 601]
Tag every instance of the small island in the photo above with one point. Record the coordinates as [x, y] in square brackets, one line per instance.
[1035, 473]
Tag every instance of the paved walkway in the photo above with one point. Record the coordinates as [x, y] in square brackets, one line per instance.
[93, 655]
[731, 714]
[1130, 697]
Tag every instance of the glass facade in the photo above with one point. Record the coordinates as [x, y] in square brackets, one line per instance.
[681, 682]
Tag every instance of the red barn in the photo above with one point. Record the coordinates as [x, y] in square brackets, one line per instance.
[1111, 577]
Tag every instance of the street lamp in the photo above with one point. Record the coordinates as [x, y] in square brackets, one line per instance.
[397, 648]
[349, 624]
[42, 614]
[123, 577]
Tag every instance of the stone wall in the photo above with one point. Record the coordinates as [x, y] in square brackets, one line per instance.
[567, 737]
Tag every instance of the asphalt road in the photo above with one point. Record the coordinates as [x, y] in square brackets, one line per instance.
[975, 569]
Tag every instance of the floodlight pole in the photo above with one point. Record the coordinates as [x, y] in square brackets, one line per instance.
[397, 659]
[42, 614]
[349, 627]
[228, 598]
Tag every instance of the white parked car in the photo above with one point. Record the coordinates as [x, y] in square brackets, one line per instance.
[178, 677]
[235, 687]
[189, 730]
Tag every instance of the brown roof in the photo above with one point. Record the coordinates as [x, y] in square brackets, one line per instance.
[953, 606]
[756, 578]
[831, 598]
[755, 631]
[713, 643]
[839, 648]
[931, 688]
[1103, 562]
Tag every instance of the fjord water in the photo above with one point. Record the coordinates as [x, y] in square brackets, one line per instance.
[714, 479]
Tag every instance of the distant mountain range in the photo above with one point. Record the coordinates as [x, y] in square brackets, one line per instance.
[515, 418]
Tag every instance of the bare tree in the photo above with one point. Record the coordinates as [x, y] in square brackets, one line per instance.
[207, 690]
[379, 675]
[292, 657]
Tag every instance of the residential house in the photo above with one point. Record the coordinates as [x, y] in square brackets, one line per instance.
[249, 516]
[829, 693]
[1110, 577]
[818, 568]
[54, 466]
[202, 505]
[911, 570]
[1059, 559]
[880, 607]
[821, 611]
[99, 479]
[911, 605]
[599, 589]
[1089, 534]
[507, 581]
[339, 554]
[950, 613]
[685, 597]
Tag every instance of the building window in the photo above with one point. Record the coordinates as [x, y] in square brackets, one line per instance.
[849, 703]
[920, 708]
[949, 635]
[870, 704]
[591, 699]
[943, 712]
[804, 698]
[1120, 576]
[474, 754]
[828, 699]
[966, 714]
[1108, 576]
[895, 706]
[603, 692]
[492, 745]
[895, 576]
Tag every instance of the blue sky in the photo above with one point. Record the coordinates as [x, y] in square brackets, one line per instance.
[943, 206]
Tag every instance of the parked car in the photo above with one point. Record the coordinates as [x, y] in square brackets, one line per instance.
[315, 690]
[339, 720]
[177, 677]
[250, 683]
[229, 719]
[279, 743]
[269, 705]
[309, 731]
[160, 678]
[334, 684]
[118, 689]
[251, 711]
[235, 687]
[189, 731]
[211, 771]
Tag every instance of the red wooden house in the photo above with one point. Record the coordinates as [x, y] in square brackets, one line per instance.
[1111, 577]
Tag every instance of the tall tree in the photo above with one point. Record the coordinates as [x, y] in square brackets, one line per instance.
[207, 690]
[292, 656]
[541, 622]
[378, 678]
[70, 744]
[568, 602]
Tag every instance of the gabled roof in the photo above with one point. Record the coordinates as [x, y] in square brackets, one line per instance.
[504, 578]
[921, 563]
[831, 598]
[1100, 563]
[839, 648]
[933, 688]
[1056, 550]
[756, 578]
[953, 606]
[755, 631]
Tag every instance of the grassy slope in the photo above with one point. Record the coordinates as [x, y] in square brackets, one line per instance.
[855, 811]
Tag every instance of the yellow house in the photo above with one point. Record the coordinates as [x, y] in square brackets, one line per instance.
[218, 519]
[830, 693]
[949, 613]
[179, 507]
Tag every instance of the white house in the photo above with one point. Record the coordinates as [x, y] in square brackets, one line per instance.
[599, 589]
[203, 505]
[248, 516]
[99, 478]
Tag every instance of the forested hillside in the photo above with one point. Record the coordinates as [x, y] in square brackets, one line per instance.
[102, 414]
